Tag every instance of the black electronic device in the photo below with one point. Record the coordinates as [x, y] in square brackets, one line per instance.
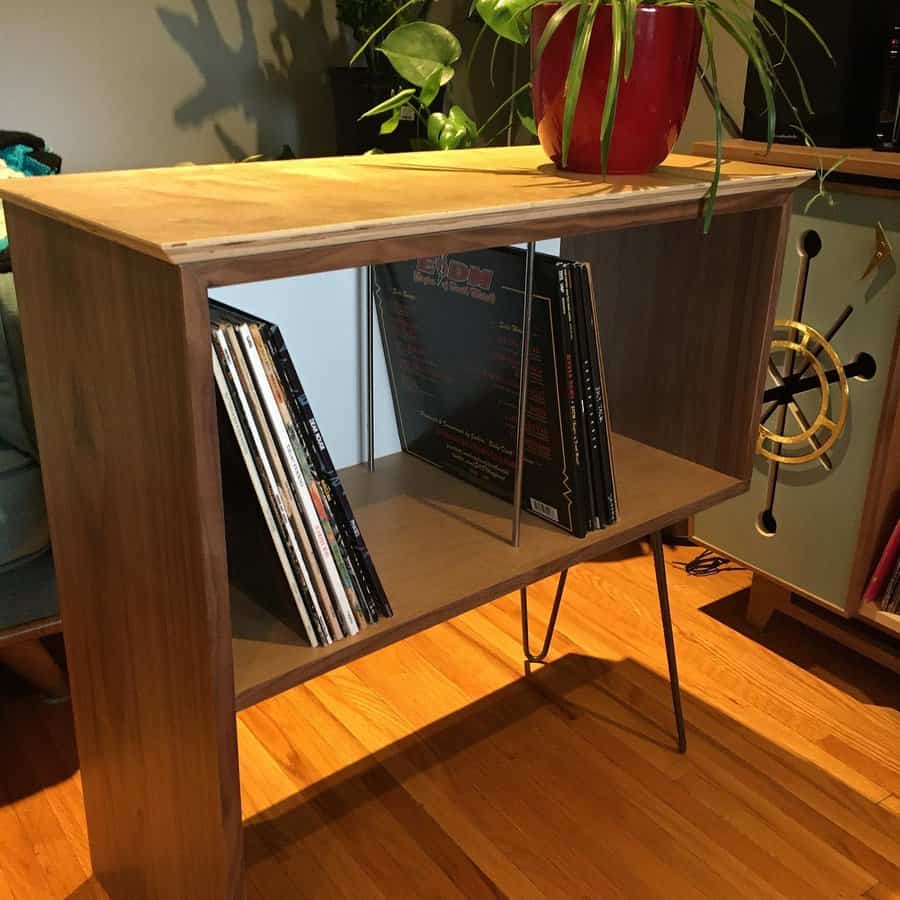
[844, 92]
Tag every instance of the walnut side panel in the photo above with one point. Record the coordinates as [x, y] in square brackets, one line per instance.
[685, 322]
[118, 359]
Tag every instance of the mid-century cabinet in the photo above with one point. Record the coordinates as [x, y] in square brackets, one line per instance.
[831, 516]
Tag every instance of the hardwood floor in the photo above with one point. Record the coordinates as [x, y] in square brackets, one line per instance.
[433, 769]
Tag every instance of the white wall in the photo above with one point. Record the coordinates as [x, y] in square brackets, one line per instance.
[131, 83]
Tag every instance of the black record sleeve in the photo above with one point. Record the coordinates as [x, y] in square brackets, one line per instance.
[452, 333]
[586, 359]
[375, 601]
[601, 406]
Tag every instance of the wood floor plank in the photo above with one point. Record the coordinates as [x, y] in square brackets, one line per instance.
[433, 768]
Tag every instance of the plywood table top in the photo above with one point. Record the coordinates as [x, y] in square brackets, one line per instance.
[193, 214]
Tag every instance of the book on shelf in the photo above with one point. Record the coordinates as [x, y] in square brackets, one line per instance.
[890, 599]
[274, 450]
[452, 333]
[883, 572]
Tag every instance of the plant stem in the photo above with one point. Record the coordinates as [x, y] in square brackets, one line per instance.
[502, 106]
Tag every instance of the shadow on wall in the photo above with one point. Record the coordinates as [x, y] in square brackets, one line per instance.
[286, 97]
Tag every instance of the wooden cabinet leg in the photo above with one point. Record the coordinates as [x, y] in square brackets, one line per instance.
[765, 597]
[118, 355]
[31, 661]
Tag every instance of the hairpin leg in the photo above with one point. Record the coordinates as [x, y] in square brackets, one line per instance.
[523, 394]
[370, 365]
[541, 655]
[659, 564]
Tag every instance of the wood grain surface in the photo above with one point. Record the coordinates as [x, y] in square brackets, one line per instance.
[684, 320]
[118, 360]
[862, 161]
[434, 769]
[420, 524]
[198, 213]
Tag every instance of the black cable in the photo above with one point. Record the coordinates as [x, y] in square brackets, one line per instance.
[709, 563]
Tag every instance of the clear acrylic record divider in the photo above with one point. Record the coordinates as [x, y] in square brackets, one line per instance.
[523, 384]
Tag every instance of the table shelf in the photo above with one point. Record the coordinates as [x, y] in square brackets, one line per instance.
[419, 523]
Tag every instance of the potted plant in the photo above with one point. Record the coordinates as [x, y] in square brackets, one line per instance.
[356, 88]
[611, 80]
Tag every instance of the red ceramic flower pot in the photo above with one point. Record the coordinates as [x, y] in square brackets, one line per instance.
[653, 102]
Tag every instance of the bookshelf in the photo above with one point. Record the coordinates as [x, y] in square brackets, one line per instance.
[112, 273]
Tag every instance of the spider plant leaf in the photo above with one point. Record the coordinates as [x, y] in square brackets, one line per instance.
[508, 18]
[717, 109]
[617, 25]
[550, 28]
[788, 57]
[431, 87]
[583, 29]
[748, 38]
[389, 125]
[805, 23]
[631, 7]
[417, 49]
[395, 102]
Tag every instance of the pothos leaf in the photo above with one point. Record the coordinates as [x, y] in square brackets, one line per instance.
[508, 18]
[430, 88]
[418, 49]
[393, 102]
[452, 131]
[389, 125]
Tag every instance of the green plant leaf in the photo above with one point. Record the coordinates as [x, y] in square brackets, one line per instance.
[389, 125]
[508, 18]
[393, 102]
[608, 122]
[583, 28]
[365, 44]
[805, 22]
[717, 108]
[550, 28]
[750, 41]
[458, 116]
[417, 49]
[452, 131]
[525, 112]
[434, 127]
[630, 22]
[430, 88]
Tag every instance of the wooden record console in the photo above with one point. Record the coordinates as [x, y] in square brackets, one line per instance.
[112, 271]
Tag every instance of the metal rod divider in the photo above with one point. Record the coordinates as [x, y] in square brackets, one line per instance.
[370, 365]
[523, 394]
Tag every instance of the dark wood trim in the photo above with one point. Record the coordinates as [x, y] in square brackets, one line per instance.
[30, 631]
